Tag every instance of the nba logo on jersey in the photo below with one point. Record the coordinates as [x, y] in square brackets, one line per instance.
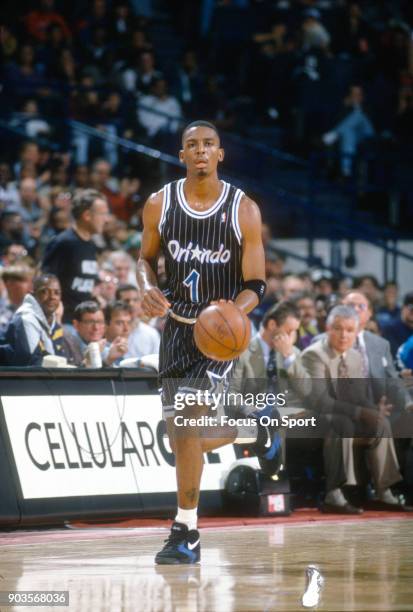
[223, 217]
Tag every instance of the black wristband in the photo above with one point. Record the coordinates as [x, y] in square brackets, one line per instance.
[258, 286]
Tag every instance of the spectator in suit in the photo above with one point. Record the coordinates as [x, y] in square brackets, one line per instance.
[88, 326]
[272, 363]
[272, 353]
[89, 323]
[339, 392]
[377, 360]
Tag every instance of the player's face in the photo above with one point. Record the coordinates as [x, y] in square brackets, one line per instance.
[201, 151]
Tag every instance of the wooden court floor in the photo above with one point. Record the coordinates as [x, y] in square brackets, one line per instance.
[367, 565]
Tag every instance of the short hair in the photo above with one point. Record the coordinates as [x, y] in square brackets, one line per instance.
[125, 287]
[302, 295]
[117, 306]
[200, 123]
[83, 200]
[16, 273]
[42, 280]
[88, 306]
[280, 313]
[360, 279]
[342, 312]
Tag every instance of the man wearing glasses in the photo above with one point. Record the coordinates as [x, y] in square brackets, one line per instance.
[89, 325]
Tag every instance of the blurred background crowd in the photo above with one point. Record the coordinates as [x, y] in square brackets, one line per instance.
[307, 94]
[306, 75]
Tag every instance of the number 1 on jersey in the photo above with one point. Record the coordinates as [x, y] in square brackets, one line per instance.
[192, 281]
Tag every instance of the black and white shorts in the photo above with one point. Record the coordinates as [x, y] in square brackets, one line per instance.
[184, 369]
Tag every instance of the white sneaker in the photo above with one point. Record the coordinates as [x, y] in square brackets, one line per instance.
[315, 582]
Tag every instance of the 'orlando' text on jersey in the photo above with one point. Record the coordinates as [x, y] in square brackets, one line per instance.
[202, 249]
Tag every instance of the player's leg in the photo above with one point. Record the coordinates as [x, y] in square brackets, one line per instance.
[183, 545]
[189, 442]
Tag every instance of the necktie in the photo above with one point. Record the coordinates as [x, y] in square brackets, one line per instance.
[342, 370]
[271, 372]
[362, 350]
[343, 379]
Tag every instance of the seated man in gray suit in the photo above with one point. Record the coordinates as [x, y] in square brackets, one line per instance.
[341, 393]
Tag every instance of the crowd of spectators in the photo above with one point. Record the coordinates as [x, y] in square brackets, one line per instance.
[104, 63]
[89, 260]
[322, 71]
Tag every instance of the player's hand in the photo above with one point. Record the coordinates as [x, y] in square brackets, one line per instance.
[283, 343]
[154, 303]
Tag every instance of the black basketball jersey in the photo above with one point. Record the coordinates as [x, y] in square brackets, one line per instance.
[202, 249]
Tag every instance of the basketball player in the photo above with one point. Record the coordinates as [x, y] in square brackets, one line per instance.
[210, 234]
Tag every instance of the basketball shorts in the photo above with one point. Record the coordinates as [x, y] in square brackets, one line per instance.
[183, 369]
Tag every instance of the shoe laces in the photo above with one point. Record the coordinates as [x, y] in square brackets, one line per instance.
[175, 537]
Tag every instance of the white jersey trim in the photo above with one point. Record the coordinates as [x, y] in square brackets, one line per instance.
[234, 217]
[166, 202]
[197, 214]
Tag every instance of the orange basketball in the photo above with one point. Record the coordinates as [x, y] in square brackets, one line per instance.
[222, 331]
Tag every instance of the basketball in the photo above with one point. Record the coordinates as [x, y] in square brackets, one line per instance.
[222, 331]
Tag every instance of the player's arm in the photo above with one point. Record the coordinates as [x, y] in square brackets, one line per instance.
[253, 258]
[154, 302]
